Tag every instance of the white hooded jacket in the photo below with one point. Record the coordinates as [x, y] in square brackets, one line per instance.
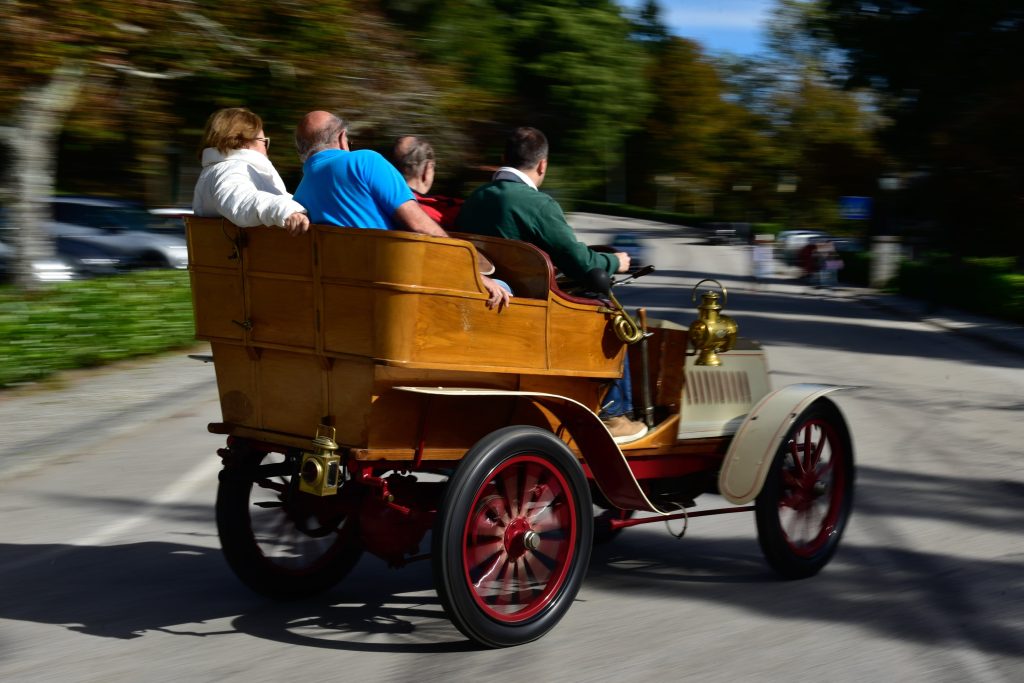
[244, 187]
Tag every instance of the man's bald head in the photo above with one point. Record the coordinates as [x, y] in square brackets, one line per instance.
[320, 130]
[411, 154]
[404, 144]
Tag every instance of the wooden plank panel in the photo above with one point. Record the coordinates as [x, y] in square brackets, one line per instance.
[216, 302]
[273, 250]
[580, 338]
[454, 330]
[211, 243]
[377, 256]
[290, 391]
[350, 389]
[282, 312]
[236, 384]
[349, 322]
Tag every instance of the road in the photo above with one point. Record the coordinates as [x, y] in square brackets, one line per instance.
[110, 568]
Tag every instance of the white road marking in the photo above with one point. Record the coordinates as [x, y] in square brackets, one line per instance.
[199, 476]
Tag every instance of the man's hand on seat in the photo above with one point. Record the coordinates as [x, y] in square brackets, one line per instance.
[499, 296]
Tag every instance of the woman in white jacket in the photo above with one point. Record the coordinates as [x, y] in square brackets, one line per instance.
[238, 181]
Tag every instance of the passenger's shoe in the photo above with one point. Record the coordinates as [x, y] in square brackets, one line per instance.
[623, 429]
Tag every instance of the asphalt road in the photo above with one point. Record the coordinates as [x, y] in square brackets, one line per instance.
[110, 568]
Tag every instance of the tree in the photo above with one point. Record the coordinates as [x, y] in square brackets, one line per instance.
[820, 138]
[148, 72]
[693, 139]
[568, 68]
[59, 55]
[949, 78]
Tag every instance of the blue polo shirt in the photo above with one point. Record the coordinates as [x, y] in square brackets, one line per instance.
[358, 189]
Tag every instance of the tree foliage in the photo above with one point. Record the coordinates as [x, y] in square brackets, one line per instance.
[122, 90]
[568, 68]
[752, 138]
[949, 78]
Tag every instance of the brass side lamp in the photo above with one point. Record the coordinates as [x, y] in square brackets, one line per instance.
[712, 332]
[320, 472]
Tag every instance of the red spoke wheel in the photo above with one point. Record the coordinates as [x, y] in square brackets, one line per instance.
[512, 538]
[808, 493]
[281, 542]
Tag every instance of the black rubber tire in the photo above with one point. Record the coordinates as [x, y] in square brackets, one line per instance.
[477, 505]
[245, 548]
[828, 490]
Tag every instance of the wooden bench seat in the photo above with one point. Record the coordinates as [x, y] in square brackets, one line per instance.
[319, 327]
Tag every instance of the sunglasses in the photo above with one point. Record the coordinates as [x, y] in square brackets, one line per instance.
[265, 141]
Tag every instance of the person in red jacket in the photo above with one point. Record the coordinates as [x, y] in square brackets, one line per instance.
[414, 159]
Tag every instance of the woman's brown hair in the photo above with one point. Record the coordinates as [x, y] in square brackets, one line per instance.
[229, 129]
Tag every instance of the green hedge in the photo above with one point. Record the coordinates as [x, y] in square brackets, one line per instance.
[987, 286]
[91, 322]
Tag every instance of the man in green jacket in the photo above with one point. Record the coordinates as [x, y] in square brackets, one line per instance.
[511, 206]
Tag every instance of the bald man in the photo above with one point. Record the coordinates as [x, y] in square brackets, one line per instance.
[359, 189]
[414, 158]
[353, 189]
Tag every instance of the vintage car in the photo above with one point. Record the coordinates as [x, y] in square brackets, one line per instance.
[369, 396]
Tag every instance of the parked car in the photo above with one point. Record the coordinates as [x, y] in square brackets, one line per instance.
[102, 236]
[48, 270]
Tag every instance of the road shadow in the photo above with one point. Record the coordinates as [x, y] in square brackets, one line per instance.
[127, 591]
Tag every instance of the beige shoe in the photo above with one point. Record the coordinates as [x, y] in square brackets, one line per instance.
[623, 429]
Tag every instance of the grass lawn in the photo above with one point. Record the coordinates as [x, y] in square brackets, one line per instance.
[92, 322]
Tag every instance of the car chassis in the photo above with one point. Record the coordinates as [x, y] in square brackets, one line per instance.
[369, 396]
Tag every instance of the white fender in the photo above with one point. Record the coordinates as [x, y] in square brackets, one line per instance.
[752, 449]
[603, 456]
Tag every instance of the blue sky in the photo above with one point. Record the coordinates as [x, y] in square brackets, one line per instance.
[733, 25]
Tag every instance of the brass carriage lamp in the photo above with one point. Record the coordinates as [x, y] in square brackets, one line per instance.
[320, 472]
[713, 332]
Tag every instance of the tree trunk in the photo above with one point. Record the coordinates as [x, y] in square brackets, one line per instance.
[33, 141]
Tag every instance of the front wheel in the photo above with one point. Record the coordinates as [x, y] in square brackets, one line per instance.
[808, 493]
[281, 542]
[512, 539]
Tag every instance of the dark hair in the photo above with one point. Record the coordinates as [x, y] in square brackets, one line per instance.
[409, 155]
[525, 148]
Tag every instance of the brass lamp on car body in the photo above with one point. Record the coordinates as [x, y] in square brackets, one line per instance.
[713, 332]
[320, 473]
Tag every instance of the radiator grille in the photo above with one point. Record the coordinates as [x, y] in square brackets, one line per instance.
[711, 387]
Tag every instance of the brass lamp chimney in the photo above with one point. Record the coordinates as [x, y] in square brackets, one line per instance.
[320, 473]
[712, 332]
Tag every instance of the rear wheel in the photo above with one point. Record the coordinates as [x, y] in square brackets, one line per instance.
[808, 494]
[512, 538]
[281, 542]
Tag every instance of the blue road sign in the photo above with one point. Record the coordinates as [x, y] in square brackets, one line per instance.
[855, 208]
